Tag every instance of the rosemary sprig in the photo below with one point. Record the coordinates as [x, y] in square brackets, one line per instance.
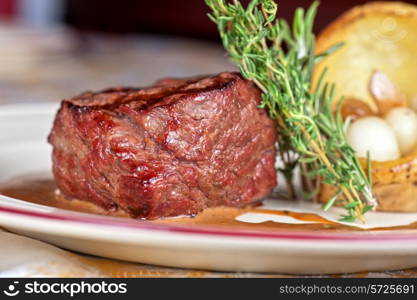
[279, 59]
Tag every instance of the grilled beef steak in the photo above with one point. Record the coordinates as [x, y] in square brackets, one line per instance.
[171, 149]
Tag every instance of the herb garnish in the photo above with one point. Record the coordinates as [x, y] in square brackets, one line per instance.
[279, 59]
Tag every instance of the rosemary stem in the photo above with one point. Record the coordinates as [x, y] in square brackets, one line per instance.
[279, 58]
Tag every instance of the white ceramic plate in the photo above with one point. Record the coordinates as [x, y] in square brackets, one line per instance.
[23, 131]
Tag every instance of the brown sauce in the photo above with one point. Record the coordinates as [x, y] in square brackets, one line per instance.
[42, 190]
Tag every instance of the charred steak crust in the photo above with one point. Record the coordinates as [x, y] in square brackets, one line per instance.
[171, 149]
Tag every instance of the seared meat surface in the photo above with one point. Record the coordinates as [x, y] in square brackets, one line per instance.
[170, 149]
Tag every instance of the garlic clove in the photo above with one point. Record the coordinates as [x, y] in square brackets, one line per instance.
[373, 134]
[403, 121]
[385, 93]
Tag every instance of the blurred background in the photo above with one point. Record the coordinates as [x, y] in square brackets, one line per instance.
[53, 49]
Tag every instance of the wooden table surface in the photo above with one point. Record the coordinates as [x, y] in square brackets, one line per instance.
[70, 65]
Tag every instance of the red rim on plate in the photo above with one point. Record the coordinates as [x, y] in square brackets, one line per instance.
[145, 225]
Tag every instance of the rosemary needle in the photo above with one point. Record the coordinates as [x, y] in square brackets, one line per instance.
[279, 58]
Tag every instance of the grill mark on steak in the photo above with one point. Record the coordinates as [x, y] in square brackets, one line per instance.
[113, 98]
[170, 149]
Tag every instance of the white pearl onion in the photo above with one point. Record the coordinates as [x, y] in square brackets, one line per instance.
[373, 134]
[404, 122]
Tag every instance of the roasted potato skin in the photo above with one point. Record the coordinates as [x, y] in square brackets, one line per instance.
[377, 36]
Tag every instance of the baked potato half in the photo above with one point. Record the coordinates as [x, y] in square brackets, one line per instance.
[379, 36]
